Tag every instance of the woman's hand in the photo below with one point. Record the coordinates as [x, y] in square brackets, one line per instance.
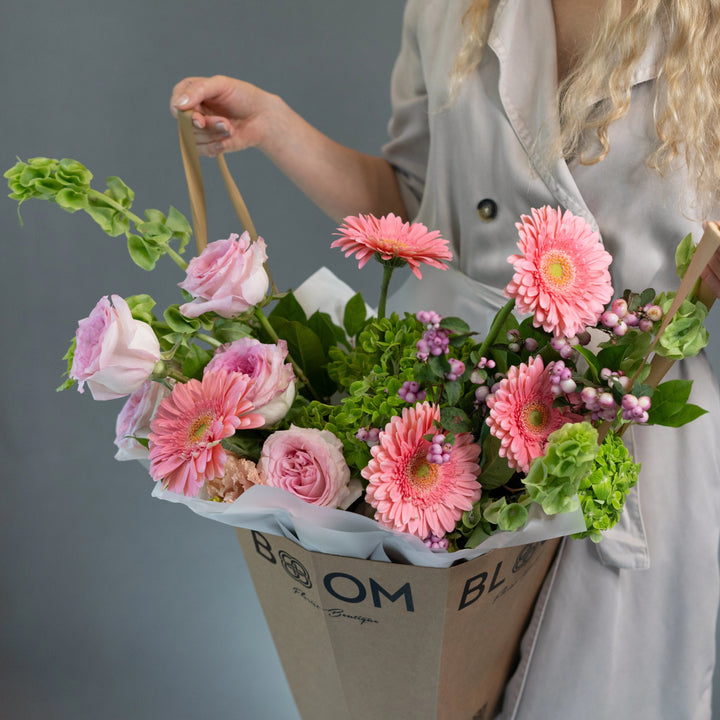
[228, 114]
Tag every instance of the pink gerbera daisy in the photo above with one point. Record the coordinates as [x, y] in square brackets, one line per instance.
[522, 413]
[189, 424]
[408, 492]
[389, 237]
[561, 275]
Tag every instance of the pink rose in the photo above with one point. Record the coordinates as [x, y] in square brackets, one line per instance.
[273, 389]
[115, 354]
[308, 463]
[228, 277]
[134, 420]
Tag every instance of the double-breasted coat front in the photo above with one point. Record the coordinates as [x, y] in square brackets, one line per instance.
[624, 629]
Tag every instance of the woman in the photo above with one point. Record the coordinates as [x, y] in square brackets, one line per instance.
[605, 109]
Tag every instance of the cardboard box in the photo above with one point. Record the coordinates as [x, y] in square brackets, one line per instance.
[367, 640]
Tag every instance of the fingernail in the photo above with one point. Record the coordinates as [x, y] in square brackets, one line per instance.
[182, 100]
[222, 127]
[197, 124]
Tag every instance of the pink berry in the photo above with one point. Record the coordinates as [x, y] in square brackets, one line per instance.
[619, 307]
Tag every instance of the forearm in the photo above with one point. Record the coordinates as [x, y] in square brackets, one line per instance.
[339, 180]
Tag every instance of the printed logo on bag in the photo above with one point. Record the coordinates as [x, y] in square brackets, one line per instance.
[295, 569]
[494, 583]
[525, 556]
[340, 585]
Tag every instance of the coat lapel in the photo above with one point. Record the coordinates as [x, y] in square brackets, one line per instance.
[522, 37]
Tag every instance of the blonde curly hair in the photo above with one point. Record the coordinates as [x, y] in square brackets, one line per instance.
[687, 100]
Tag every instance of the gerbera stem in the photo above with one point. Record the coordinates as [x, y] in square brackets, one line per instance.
[387, 274]
[497, 323]
[260, 315]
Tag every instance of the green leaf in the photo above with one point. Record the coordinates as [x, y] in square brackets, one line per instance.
[228, 330]
[194, 361]
[69, 357]
[246, 444]
[455, 325]
[141, 307]
[455, 420]
[439, 365]
[512, 517]
[672, 391]
[478, 536]
[155, 216]
[328, 333]
[119, 192]
[71, 200]
[179, 323]
[177, 223]
[287, 308]
[155, 233]
[684, 255]
[453, 390]
[354, 315]
[111, 221]
[141, 253]
[495, 470]
[647, 296]
[307, 351]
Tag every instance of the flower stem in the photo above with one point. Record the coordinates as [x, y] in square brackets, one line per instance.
[210, 340]
[260, 315]
[112, 203]
[387, 274]
[176, 258]
[177, 375]
[497, 323]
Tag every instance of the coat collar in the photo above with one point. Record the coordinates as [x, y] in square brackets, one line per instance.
[522, 36]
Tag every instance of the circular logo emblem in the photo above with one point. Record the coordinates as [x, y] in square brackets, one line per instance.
[525, 556]
[295, 569]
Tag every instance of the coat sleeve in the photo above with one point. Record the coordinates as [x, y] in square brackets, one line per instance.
[407, 150]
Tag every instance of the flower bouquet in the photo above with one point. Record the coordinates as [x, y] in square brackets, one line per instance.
[333, 437]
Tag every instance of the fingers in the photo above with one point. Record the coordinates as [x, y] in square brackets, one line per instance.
[196, 92]
[211, 133]
[711, 274]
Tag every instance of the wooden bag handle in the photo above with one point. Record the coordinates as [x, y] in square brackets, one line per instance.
[196, 191]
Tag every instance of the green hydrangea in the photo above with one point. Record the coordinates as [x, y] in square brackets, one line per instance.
[553, 479]
[685, 335]
[603, 491]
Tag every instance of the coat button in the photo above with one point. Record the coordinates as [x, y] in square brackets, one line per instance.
[487, 210]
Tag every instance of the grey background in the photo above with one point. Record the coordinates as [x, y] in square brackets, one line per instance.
[114, 605]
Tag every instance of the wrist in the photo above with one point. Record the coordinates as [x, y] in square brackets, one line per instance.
[273, 117]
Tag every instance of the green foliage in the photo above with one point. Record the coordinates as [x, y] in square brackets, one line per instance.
[603, 490]
[554, 478]
[69, 356]
[684, 255]
[354, 315]
[67, 183]
[685, 335]
[670, 405]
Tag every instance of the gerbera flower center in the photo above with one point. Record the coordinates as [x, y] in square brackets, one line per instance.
[420, 474]
[198, 428]
[392, 245]
[557, 269]
[535, 417]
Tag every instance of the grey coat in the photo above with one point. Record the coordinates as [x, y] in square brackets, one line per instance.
[624, 630]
